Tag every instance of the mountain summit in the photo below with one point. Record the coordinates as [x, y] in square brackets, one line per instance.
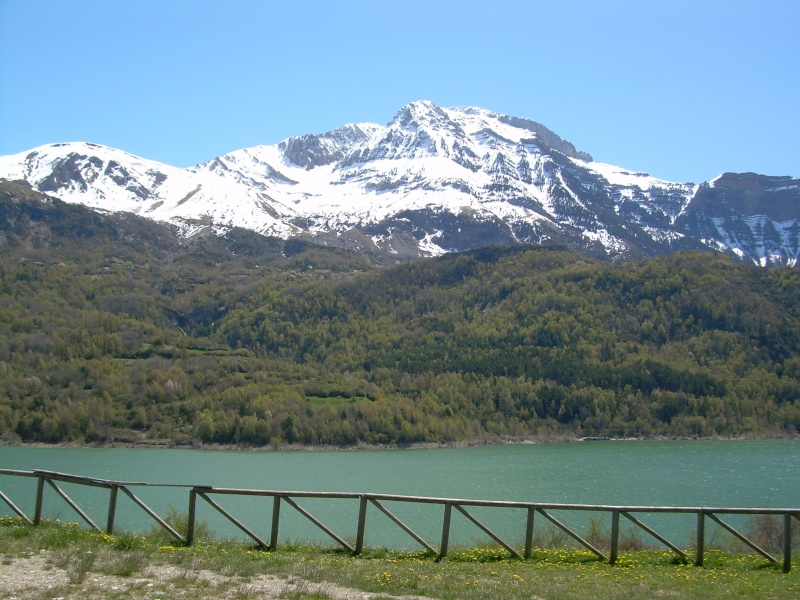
[432, 180]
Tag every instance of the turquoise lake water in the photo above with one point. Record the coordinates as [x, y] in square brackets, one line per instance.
[725, 473]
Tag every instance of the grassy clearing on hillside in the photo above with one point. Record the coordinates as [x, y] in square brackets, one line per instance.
[337, 400]
[120, 566]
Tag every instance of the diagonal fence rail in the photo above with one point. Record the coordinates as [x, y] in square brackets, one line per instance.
[292, 499]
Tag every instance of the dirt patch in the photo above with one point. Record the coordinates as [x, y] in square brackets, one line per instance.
[36, 577]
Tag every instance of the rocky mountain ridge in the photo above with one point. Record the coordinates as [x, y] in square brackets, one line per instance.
[433, 180]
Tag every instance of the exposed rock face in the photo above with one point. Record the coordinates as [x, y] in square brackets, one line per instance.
[754, 216]
[311, 151]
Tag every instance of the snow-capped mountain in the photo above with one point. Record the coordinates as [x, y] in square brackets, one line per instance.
[432, 180]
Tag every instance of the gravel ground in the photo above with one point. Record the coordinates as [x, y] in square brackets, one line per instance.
[36, 578]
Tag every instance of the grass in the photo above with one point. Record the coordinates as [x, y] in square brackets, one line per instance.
[337, 401]
[467, 573]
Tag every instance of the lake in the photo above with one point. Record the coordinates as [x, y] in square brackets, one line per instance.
[723, 473]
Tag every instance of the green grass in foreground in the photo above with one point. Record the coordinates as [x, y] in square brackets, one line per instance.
[561, 573]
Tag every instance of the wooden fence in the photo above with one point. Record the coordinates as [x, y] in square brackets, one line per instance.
[378, 501]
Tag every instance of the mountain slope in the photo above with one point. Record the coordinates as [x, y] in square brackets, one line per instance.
[433, 180]
[755, 216]
[113, 328]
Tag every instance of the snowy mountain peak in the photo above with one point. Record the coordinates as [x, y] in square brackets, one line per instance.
[421, 115]
[431, 180]
[86, 173]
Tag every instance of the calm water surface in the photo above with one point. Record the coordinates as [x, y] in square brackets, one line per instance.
[650, 473]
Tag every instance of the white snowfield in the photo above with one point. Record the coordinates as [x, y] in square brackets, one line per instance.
[444, 160]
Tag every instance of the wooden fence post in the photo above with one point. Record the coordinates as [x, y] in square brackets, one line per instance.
[448, 509]
[37, 515]
[787, 542]
[192, 517]
[614, 536]
[529, 532]
[276, 516]
[701, 533]
[362, 523]
[112, 509]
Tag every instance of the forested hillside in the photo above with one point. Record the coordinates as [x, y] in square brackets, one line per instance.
[113, 330]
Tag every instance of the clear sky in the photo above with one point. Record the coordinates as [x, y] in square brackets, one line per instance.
[683, 90]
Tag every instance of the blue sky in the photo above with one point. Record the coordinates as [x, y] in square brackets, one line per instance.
[683, 90]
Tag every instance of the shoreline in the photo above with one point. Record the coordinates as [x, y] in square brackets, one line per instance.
[176, 445]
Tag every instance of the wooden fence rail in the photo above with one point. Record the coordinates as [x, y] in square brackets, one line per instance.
[292, 499]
